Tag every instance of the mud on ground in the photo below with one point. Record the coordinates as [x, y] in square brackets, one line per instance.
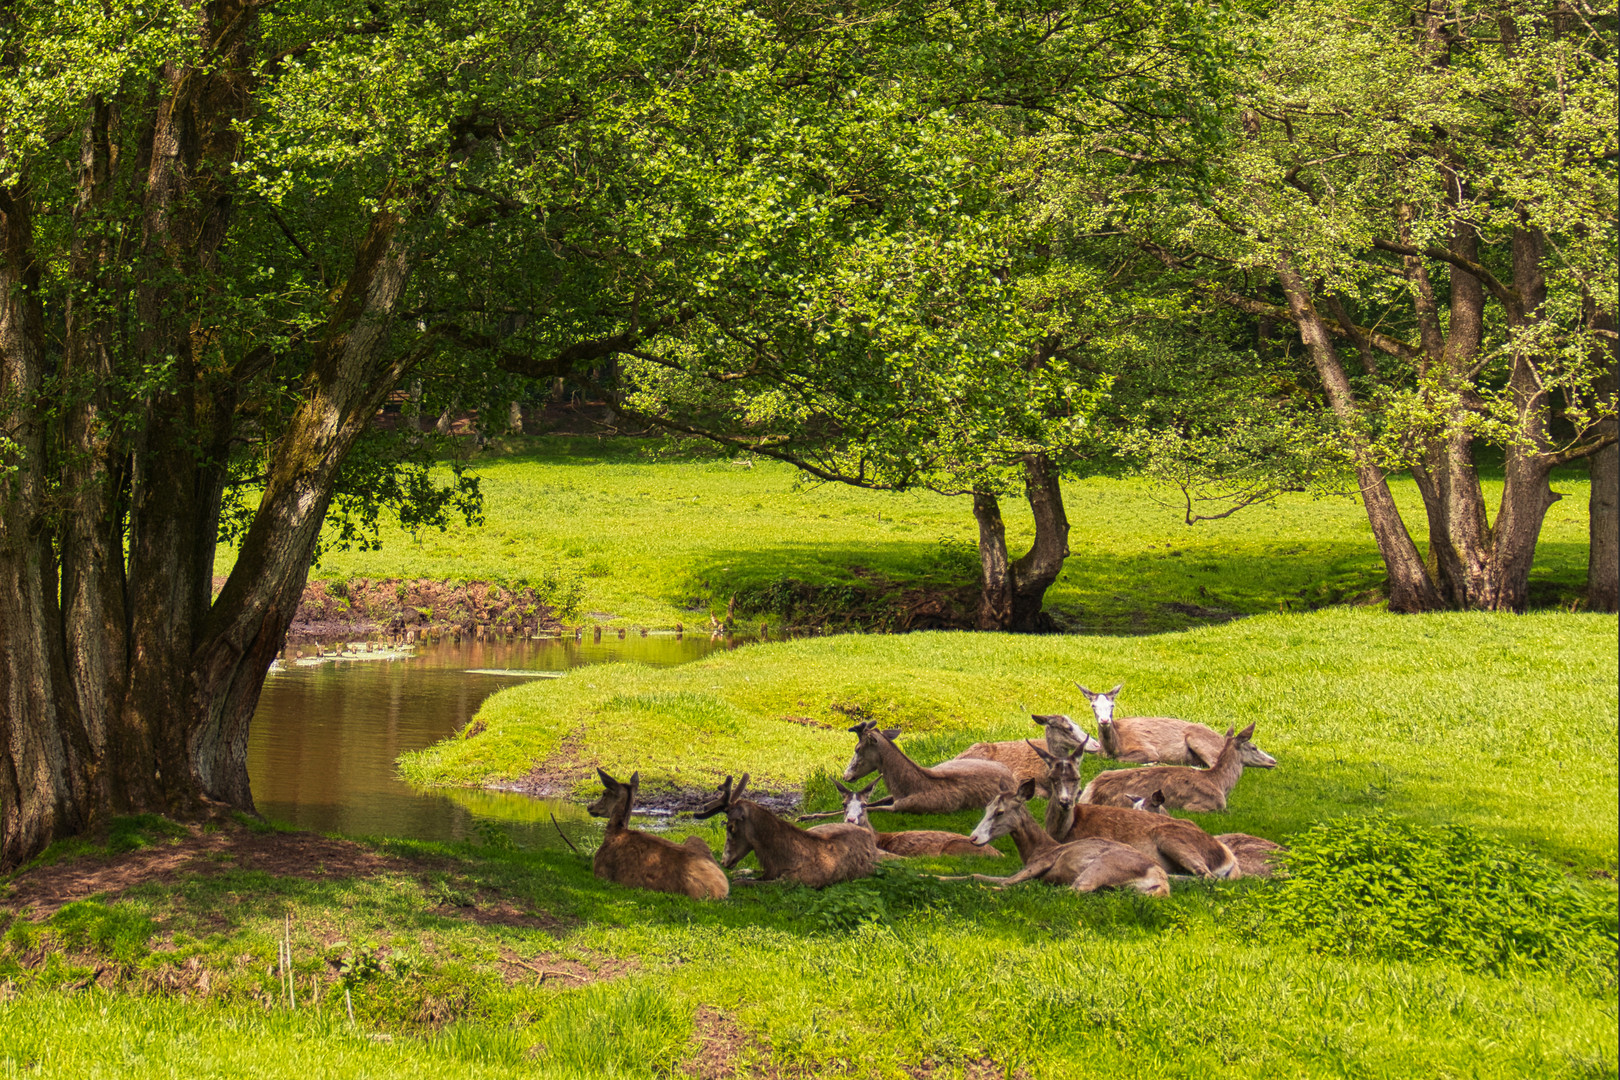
[362, 607]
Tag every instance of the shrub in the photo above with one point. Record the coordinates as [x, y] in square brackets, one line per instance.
[1377, 887]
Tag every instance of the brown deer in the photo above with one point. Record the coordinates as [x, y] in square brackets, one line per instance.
[1083, 865]
[643, 861]
[1062, 735]
[1179, 847]
[1180, 787]
[957, 784]
[1255, 854]
[828, 855]
[909, 844]
[1161, 740]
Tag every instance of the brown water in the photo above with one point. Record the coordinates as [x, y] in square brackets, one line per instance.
[325, 737]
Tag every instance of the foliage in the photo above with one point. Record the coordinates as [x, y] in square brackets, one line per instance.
[117, 931]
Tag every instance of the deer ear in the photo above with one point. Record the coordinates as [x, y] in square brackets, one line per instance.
[635, 779]
[1115, 691]
[842, 790]
[1086, 692]
[1157, 798]
[1044, 756]
[1229, 732]
[607, 781]
[1247, 733]
[890, 733]
[1026, 790]
[867, 790]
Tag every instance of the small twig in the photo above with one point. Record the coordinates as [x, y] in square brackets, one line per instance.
[543, 972]
[564, 836]
[348, 1003]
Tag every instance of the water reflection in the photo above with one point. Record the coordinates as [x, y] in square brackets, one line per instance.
[325, 737]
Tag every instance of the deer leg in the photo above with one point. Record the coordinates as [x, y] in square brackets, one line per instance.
[818, 817]
[1183, 855]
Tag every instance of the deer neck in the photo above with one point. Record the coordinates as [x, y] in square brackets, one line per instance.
[1059, 820]
[619, 816]
[770, 838]
[1228, 768]
[1030, 838]
[900, 774]
[1108, 736]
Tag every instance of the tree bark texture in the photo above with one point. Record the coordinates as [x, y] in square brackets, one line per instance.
[1603, 558]
[125, 686]
[1011, 593]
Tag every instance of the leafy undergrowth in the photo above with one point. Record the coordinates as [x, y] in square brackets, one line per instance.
[632, 539]
[1505, 723]
[1379, 887]
[495, 962]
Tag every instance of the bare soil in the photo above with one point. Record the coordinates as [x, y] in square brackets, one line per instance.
[726, 1050]
[394, 607]
[562, 774]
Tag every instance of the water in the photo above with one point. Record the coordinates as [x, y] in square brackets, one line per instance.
[325, 737]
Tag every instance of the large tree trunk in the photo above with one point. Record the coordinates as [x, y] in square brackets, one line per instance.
[1410, 587]
[1011, 594]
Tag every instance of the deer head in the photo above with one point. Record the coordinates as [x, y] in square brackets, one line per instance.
[1150, 804]
[1102, 705]
[736, 809]
[614, 791]
[1062, 774]
[1002, 814]
[1063, 734]
[1251, 755]
[855, 803]
[868, 756]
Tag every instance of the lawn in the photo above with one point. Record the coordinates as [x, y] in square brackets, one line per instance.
[654, 541]
[489, 960]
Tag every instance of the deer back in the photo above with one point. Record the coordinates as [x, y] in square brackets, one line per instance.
[1178, 846]
[642, 861]
[1092, 864]
[1017, 755]
[1184, 788]
[1165, 740]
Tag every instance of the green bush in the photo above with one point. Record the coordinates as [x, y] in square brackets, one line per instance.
[1376, 887]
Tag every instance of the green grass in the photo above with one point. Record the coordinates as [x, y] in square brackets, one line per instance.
[654, 542]
[1507, 723]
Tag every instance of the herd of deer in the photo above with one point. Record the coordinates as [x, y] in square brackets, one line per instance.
[1116, 832]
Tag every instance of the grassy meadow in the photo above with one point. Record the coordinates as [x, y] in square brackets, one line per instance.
[645, 541]
[489, 960]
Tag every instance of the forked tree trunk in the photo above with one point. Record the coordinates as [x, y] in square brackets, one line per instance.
[1011, 593]
[1410, 587]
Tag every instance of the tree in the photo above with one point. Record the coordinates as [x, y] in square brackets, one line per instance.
[1434, 197]
[231, 229]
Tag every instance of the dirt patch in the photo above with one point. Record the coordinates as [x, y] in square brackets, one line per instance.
[565, 971]
[332, 611]
[971, 1069]
[300, 855]
[1197, 611]
[726, 1050]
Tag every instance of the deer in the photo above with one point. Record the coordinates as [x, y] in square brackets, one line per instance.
[825, 856]
[1254, 853]
[957, 784]
[1160, 740]
[1062, 735]
[1177, 786]
[910, 844]
[640, 860]
[1152, 804]
[1083, 865]
[1179, 847]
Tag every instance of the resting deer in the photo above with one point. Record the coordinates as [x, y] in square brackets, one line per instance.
[1161, 740]
[828, 855]
[1180, 787]
[908, 844]
[957, 784]
[1083, 865]
[642, 861]
[1152, 804]
[1179, 847]
[1255, 854]
[1062, 735]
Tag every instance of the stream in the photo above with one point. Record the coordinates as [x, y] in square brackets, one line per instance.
[325, 736]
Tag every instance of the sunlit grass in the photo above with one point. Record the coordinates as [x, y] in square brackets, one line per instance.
[656, 542]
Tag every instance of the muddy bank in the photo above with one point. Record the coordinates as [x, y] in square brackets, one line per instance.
[560, 777]
[393, 607]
